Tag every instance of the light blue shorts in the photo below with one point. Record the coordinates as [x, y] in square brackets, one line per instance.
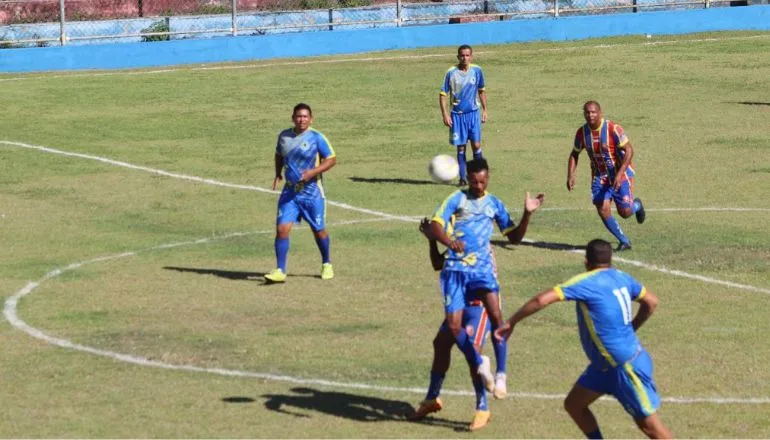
[465, 127]
[631, 384]
[600, 192]
[460, 288]
[293, 207]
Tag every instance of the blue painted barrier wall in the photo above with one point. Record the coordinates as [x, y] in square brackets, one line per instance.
[243, 48]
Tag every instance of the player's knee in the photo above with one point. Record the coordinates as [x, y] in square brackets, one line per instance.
[572, 406]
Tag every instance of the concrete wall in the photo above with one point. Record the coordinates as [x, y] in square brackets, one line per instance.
[243, 48]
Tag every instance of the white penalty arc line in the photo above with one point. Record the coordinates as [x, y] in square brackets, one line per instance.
[11, 306]
[380, 214]
[268, 65]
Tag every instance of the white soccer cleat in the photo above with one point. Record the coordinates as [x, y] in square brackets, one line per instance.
[501, 387]
[485, 372]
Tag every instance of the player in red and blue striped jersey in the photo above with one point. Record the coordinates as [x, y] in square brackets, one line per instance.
[302, 154]
[618, 363]
[612, 175]
[464, 85]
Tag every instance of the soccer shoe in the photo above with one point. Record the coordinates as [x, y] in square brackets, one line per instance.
[623, 247]
[485, 372]
[427, 407]
[327, 272]
[276, 276]
[501, 387]
[480, 420]
[640, 214]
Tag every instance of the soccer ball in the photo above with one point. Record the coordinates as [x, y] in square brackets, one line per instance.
[443, 168]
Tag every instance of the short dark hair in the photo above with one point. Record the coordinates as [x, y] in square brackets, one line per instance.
[302, 106]
[463, 47]
[590, 103]
[598, 253]
[477, 165]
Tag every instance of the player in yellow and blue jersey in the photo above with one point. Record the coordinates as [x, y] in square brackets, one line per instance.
[464, 85]
[464, 223]
[618, 364]
[475, 323]
[302, 154]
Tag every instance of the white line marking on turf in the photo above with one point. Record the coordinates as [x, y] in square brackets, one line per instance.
[267, 64]
[11, 306]
[381, 214]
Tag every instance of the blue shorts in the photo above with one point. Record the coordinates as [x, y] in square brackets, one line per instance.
[460, 288]
[293, 207]
[631, 384]
[600, 192]
[475, 321]
[465, 127]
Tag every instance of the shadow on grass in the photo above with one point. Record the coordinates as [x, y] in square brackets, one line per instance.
[754, 103]
[394, 180]
[540, 244]
[234, 275]
[348, 406]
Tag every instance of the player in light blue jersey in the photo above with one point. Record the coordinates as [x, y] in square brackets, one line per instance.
[464, 223]
[475, 323]
[618, 364]
[464, 84]
[302, 154]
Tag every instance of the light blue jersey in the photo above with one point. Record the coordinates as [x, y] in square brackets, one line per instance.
[300, 153]
[604, 314]
[470, 220]
[463, 88]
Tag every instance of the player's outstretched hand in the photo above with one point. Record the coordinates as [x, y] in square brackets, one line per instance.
[425, 226]
[503, 332]
[532, 204]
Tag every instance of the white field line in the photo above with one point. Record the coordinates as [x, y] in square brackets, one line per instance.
[193, 178]
[263, 65]
[380, 214]
[11, 306]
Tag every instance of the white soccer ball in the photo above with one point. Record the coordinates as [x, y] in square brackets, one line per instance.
[443, 168]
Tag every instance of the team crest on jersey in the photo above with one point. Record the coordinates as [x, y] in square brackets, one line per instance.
[473, 80]
[304, 145]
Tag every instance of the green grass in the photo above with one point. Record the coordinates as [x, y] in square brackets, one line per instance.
[696, 112]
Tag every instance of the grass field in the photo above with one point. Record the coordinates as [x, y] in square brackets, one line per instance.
[172, 333]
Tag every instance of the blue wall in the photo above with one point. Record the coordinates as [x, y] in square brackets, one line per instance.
[134, 55]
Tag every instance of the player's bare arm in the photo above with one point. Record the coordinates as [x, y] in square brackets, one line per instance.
[629, 149]
[444, 112]
[278, 170]
[483, 98]
[436, 257]
[647, 305]
[571, 167]
[437, 233]
[324, 166]
[534, 305]
[531, 204]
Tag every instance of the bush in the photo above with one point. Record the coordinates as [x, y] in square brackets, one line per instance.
[158, 26]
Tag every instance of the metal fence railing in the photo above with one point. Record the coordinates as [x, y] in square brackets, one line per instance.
[29, 23]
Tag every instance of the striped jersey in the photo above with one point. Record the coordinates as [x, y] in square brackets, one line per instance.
[605, 148]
